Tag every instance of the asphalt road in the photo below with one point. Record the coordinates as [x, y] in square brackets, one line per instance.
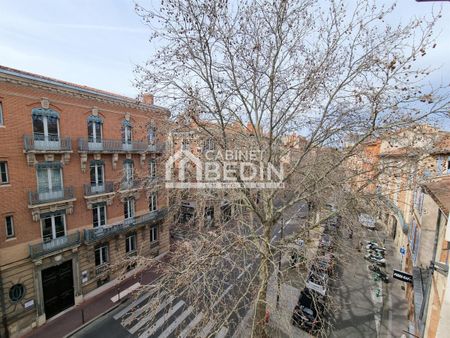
[164, 315]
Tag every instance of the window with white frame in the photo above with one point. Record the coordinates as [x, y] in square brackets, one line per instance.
[152, 168]
[151, 135]
[185, 145]
[4, 178]
[53, 226]
[95, 130]
[208, 144]
[97, 174]
[45, 126]
[128, 171]
[154, 233]
[127, 132]
[129, 208]
[9, 226]
[99, 215]
[130, 243]
[101, 255]
[1, 114]
[153, 201]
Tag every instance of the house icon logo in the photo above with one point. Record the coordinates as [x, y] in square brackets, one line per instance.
[182, 157]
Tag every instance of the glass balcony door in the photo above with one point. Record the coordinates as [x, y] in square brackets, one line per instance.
[50, 185]
[95, 135]
[127, 135]
[53, 227]
[46, 132]
[97, 178]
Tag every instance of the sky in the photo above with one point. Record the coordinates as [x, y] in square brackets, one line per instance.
[98, 42]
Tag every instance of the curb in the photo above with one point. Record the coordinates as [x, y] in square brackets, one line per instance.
[70, 334]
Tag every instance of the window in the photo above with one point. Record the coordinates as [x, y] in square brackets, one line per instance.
[4, 173]
[152, 204]
[127, 133]
[130, 243]
[128, 208]
[1, 114]
[151, 134]
[154, 233]
[99, 215]
[49, 182]
[45, 127]
[94, 131]
[9, 224]
[152, 168]
[208, 144]
[185, 145]
[97, 176]
[53, 226]
[448, 165]
[16, 292]
[101, 255]
[128, 171]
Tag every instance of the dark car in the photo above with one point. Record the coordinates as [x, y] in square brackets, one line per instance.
[308, 312]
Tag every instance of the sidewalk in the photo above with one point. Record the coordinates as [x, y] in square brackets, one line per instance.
[61, 325]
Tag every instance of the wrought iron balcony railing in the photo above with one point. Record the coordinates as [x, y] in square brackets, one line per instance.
[95, 234]
[105, 188]
[56, 244]
[41, 197]
[42, 143]
[117, 146]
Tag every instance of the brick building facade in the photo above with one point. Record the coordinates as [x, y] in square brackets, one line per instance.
[75, 193]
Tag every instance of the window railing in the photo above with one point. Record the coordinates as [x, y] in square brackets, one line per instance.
[131, 184]
[39, 197]
[56, 244]
[41, 142]
[99, 269]
[105, 188]
[113, 146]
[95, 234]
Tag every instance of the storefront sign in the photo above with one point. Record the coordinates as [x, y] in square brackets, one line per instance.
[403, 276]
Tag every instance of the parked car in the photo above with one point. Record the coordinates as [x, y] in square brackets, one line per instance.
[326, 242]
[317, 280]
[309, 311]
[377, 261]
[367, 221]
[324, 263]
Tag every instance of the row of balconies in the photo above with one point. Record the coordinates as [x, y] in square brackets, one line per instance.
[55, 143]
[93, 235]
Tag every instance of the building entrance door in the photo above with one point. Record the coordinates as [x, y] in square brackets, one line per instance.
[57, 286]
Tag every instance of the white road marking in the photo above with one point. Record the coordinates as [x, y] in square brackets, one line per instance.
[222, 295]
[176, 322]
[161, 320]
[205, 331]
[125, 292]
[134, 304]
[191, 325]
[222, 333]
[147, 307]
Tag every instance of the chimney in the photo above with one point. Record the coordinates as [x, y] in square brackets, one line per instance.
[147, 98]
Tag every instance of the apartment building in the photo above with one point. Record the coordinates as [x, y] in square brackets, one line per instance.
[79, 192]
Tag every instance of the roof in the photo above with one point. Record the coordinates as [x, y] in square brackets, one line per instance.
[6, 72]
[439, 190]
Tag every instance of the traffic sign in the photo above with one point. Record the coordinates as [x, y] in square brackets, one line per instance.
[402, 251]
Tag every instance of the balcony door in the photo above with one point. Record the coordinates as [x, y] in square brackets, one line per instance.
[53, 227]
[127, 135]
[50, 186]
[95, 135]
[46, 131]
[97, 177]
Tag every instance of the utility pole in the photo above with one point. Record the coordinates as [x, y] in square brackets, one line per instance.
[279, 263]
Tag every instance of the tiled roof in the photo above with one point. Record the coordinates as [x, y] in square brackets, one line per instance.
[439, 190]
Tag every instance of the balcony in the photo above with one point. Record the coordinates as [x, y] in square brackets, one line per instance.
[55, 245]
[41, 202]
[131, 185]
[92, 190]
[100, 233]
[36, 197]
[46, 144]
[111, 146]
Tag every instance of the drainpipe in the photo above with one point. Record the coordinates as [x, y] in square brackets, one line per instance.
[3, 308]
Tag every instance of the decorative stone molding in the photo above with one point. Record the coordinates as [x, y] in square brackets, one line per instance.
[65, 158]
[45, 103]
[97, 156]
[49, 157]
[115, 158]
[37, 210]
[31, 159]
[95, 111]
[128, 156]
[92, 200]
[83, 160]
[127, 116]
[129, 193]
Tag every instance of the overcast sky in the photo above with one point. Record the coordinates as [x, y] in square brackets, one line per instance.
[98, 42]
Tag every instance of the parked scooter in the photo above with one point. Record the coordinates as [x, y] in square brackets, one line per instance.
[384, 277]
[375, 246]
[377, 261]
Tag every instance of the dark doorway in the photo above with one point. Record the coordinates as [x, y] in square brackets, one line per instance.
[57, 285]
[394, 228]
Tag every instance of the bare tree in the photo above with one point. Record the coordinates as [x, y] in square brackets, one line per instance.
[250, 74]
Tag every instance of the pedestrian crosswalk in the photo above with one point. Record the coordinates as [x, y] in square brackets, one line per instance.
[161, 315]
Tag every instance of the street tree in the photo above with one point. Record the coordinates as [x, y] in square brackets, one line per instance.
[252, 76]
